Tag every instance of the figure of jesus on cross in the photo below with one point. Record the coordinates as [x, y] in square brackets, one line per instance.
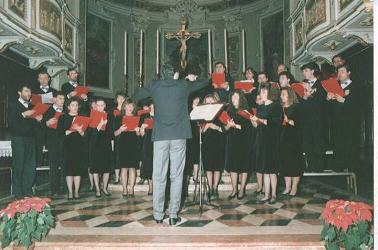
[183, 35]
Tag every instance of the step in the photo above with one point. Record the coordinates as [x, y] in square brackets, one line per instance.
[144, 187]
[163, 242]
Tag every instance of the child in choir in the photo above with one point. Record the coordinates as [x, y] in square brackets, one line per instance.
[268, 123]
[147, 148]
[238, 145]
[213, 148]
[291, 163]
[284, 79]
[74, 148]
[128, 148]
[120, 98]
[101, 151]
[54, 141]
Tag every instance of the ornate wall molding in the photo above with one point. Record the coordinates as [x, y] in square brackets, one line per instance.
[233, 23]
[139, 22]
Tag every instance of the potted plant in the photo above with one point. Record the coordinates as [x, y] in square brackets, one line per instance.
[347, 224]
[26, 220]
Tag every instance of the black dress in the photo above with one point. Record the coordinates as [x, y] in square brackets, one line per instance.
[147, 151]
[115, 113]
[213, 148]
[128, 147]
[74, 149]
[238, 147]
[100, 149]
[267, 138]
[291, 160]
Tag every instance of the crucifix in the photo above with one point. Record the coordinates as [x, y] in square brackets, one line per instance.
[183, 35]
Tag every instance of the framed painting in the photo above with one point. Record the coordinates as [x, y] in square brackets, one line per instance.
[50, 18]
[98, 47]
[272, 43]
[298, 33]
[18, 7]
[69, 39]
[315, 13]
[234, 50]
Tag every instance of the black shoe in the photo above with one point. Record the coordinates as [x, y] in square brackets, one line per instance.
[240, 197]
[98, 195]
[149, 194]
[174, 221]
[232, 196]
[272, 201]
[131, 195]
[106, 194]
[159, 221]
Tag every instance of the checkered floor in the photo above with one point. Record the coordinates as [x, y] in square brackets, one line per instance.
[115, 211]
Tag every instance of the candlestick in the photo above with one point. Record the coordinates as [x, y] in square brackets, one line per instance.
[210, 50]
[157, 52]
[243, 49]
[225, 49]
[141, 58]
[125, 55]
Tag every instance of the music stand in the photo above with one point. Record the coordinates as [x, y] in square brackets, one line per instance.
[203, 113]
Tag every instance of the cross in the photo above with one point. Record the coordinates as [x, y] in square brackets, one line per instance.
[183, 35]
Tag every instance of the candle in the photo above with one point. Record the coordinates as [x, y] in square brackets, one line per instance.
[225, 49]
[210, 51]
[125, 55]
[141, 58]
[157, 52]
[243, 49]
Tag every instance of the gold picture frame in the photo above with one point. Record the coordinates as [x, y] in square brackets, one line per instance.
[315, 13]
[50, 18]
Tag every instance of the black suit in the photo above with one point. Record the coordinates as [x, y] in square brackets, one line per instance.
[346, 128]
[84, 106]
[40, 138]
[54, 143]
[23, 149]
[312, 120]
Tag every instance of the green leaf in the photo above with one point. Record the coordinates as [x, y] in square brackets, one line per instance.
[324, 232]
[40, 221]
[332, 246]
[331, 233]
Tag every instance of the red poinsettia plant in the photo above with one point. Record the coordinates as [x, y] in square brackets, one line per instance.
[25, 220]
[347, 224]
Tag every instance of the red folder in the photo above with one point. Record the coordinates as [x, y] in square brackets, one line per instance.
[149, 122]
[96, 117]
[131, 122]
[299, 89]
[81, 90]
[57, 115]
[332, 86]
[40, 109]
[246, 86]
[218, 79]
[224, 117]
[143, 111]
[81, 121]
[35, 99]
[116, 112]
[245, 114]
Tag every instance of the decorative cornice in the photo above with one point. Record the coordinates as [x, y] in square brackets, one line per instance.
[233, 23]
[7, 41]
[140, 22]
[186, 8]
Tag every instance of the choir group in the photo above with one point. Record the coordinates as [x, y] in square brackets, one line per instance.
[265, 127]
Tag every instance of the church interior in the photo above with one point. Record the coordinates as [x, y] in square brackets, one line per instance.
[120, 46]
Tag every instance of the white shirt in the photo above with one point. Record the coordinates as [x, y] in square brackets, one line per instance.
[311, 82]
[74, 84]
[346, 83]
[23, 102]
[44, 89]
[57, 109]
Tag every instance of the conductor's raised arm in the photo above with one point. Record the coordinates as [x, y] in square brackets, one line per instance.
[142, 93]
[195, 84]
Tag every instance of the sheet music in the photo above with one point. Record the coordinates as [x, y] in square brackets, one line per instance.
[47, 98]
[205, 112]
